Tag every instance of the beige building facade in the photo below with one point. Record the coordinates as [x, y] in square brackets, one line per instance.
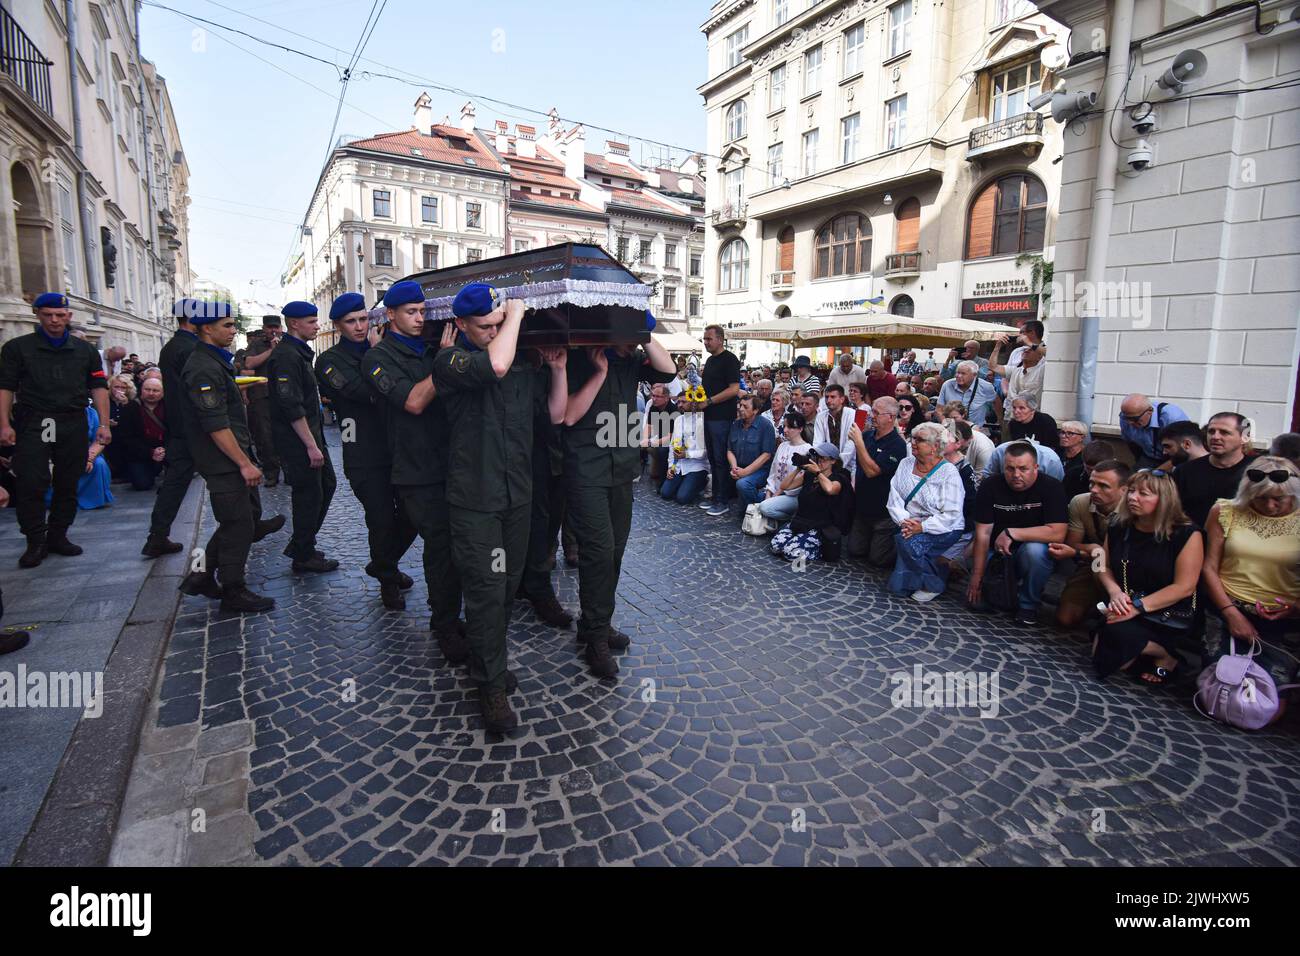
[870, 150]
[94, 192]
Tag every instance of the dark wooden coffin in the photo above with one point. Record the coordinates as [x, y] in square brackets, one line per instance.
[554, 281]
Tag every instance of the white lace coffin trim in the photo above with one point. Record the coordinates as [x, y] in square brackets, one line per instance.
[583, 293]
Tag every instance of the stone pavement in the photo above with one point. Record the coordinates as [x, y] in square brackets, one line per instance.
[78, 609]
[751, 723]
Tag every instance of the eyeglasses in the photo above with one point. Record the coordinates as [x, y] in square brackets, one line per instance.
[1280, 476]
[1135, 418]
[1075, 434]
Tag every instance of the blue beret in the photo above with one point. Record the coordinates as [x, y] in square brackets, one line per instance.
[346, 304]
[403, 293]
[51, 300]
[298, 310]
[205, 312]
[477, 298]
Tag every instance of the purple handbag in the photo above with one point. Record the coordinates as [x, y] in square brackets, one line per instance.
[1238, 692]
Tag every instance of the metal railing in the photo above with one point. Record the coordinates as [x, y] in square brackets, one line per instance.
[900, 262]
[783, 279]
[1024, 124]
[22, 61]
[730, 212]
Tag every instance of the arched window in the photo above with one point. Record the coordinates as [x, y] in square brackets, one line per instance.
[842, 247]
[736, 120]
[733, 266]
[902, 305]
[783, 312]
[908, 215]
[1009, 216]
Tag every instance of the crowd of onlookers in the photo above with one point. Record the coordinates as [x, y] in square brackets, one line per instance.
[947, 472]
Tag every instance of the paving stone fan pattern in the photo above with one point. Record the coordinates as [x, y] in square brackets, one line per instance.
[751, 723]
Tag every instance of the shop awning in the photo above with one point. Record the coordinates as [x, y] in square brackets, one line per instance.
[874, 329]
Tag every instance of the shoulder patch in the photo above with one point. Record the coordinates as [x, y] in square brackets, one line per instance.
[334, 377]
[381, 380]
[460, 361]
[208, 397]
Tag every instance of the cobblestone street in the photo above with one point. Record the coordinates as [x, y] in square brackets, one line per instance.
[751, 723]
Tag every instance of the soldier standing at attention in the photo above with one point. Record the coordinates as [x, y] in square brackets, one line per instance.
[249, 361]
[599, 476]
[217, 429]
[180, 464]
[491, 400]
[367, 459]
[54, 375]
[299, 437]
[400, 370]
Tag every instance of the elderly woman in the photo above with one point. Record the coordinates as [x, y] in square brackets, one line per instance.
[775, 414]
[688, 459]
[1153, 560]
[1027, 422]
[142, 435]
[926, 498]
[121, 393]
[1252, 553]
[778, 504]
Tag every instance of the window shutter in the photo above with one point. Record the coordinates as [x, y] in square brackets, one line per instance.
[909, 225]
[785, 250]
[979, 233]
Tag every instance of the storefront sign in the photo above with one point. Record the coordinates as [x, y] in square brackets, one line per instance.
[1002, 308]
[1001, 287]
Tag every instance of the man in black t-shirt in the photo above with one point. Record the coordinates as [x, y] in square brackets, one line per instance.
[878, 452]
[1203, 481]
[721, 381]
[1019, 512]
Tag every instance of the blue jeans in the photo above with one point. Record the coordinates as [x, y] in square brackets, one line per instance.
[780, 508]
[915, 568]
[684, 489]
[715, 440]
[751, 486]
[1034, 565]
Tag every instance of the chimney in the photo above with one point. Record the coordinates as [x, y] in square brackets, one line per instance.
[467, 117]
[525, 141]
[686, 185]
[503, 141]
[553, 127]
[617, 152]
[424, 113]
[575, 153]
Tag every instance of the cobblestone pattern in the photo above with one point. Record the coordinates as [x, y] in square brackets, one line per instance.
[751, 723]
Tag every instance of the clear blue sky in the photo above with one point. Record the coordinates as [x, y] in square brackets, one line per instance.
[255, 136]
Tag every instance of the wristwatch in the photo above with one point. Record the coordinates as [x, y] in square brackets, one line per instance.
[1138, 605]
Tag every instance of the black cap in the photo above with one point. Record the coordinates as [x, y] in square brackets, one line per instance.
[270, 322]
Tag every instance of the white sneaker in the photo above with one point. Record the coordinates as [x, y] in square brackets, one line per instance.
[705, 504]
[924, 596]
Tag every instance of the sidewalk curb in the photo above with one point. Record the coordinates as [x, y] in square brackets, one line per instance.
[78, 818]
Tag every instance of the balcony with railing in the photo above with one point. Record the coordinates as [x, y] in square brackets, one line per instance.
[782, 282]
[729, 215]
[1023, 132]
[902, 265]
[24, 64]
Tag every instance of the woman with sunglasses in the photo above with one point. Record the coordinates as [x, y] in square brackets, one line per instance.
[908, 416]
[1153, 559]
[1252, 555]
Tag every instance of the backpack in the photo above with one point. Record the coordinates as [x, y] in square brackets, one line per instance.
[1001, 590]
[1238, 692]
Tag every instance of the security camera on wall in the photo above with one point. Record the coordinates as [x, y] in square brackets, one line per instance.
[1141, 156]
[1067, 106]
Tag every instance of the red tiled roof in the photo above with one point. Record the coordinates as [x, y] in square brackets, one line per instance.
[437, 147]
[558, 202]
[598, 162]
[626, 197]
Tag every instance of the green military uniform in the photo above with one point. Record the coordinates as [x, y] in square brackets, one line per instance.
[489, 488]
[294, 395]
[259, 406]
[598, 475]
[367, 459]
[180, 463]
[52, 380]
[419, 471]
[214, 403]
[547, 514]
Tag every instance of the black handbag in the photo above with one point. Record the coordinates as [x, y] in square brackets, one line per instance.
[1000, 588]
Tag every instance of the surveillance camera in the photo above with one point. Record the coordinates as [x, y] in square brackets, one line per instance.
[1143, 118]
[1140, 156]
[1066, 106]
[1042, 99]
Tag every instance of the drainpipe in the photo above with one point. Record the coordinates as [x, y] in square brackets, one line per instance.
[1103, 202]
[74, 87]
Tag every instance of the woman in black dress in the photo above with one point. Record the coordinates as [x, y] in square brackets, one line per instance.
[1153, 562]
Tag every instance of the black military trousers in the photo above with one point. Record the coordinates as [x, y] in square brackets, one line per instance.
[42, 439]
[259, 427]
[489, 548]
[601, 518]
[427, 512]
[237, 508]
[176, 481]
[545, 522]
[313, 490]
[389, 532]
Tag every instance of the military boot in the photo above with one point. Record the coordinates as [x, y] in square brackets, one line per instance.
[390, 592]
[242, 600]
[599, 659]
[267, 526]
[497, 715]
[57, 543]
[35, 552]
[201, 584]
[156, 545]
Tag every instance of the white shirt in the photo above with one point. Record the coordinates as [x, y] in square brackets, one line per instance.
[979, 453]
[844, 379]
[1026, 382]
[782, 466]
[938, 505]
[688, 430]
[676, 387]
[822, 432]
